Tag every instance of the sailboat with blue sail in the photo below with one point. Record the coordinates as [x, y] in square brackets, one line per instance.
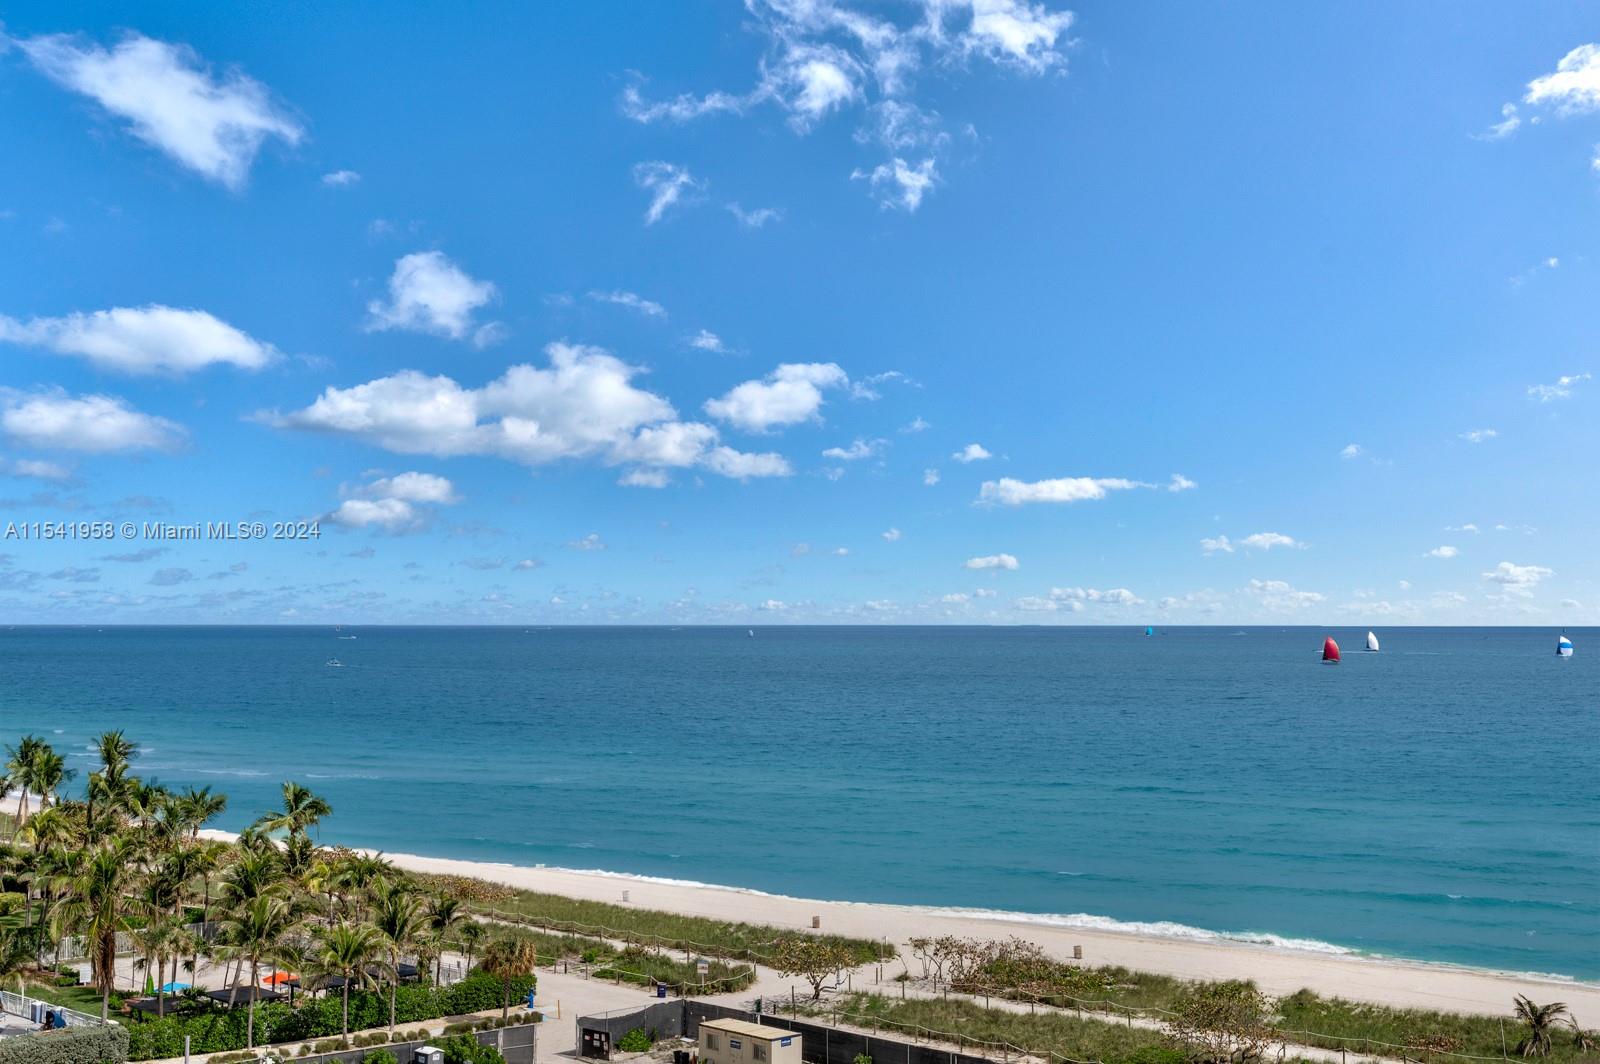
[1563, 646]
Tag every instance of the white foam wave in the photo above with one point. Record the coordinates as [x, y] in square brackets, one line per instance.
[1150, 929]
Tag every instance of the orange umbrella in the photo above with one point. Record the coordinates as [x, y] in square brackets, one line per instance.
[279, 978]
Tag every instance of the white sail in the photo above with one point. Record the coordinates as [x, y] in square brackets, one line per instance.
[1372, 641]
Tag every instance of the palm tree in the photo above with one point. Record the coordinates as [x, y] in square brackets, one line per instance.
[347, 950]
[162, 940]
[21, 768]
[444, 914]
[507, 959]
[97, 903]
[196, 806]
[397, 915]
[471, 934]
[49, 773]
[1540, 1021]
[301, 810]
[258, 929]
[116, 752]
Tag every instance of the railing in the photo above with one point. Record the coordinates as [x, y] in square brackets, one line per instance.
[19, 1005]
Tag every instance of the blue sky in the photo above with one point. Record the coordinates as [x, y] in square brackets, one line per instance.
[803, 311]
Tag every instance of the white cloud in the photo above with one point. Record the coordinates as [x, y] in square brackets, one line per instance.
[972, 452]
[429, 293]
[930, 477]
[857, 450]
[899, 184]
[583, 405]
[1255, 541]
[1278, 595]
[1268, 540]
[171, 101]
[394, 504]
[1179, 482]
[706, 340]
[1445, 551]
[95, 424]
[631, 300]
[591, 542]
[742, 465]
[916, 424]
[528, 563]
[1508, 124]
[774, 605]
[827, 56]
[137, 340]
[1352, 450]
[668, 186]
[1571, 604]
[955, 598]
[413, 487]
[644, 478]
[1561, 389]
[341, 178]
[1479, 435]
[984, 592]
[1574, 87]
[756, 218]
[1117, 596]
[1012, 492]
[1520, 579]
[1469, 527]
[892, 535]
[790, 394]
[992, 561]
[34, 469]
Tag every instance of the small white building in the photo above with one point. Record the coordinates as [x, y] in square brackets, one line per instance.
[743, 1042]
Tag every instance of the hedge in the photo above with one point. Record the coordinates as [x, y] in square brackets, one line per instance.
[218, 1030]
[73, 1045]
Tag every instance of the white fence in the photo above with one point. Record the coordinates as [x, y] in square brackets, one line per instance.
[33, 1010]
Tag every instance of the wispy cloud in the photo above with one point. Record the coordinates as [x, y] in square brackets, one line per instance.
[668, 184]
[1561, 389]
[631, 300]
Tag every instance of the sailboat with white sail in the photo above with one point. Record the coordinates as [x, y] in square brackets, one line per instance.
[1372, 641]
[1563, 646]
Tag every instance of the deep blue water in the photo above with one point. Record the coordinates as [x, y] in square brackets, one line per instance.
[1439, 800]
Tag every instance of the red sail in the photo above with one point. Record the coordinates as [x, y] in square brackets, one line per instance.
[1330, 650]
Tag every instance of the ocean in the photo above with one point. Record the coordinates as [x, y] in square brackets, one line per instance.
[1437, 801]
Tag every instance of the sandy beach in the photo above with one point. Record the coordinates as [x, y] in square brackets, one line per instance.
[1276, 970]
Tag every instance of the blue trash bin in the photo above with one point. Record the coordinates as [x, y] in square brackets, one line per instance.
[661, 990]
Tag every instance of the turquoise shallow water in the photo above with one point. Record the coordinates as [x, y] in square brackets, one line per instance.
[1437, 801]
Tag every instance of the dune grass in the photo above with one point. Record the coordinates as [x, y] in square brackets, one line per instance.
[694, 934]
[1041, 1033]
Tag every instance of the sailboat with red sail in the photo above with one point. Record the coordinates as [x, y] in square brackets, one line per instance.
[1330, 651]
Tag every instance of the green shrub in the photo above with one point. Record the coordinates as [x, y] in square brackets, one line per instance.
[862, 1058]
[74, 1045]
[638, 1040]
[379, 1056]
[464, 1049]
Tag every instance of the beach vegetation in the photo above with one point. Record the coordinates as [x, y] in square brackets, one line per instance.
[510, 959]
[635, 926]
[815, 960]
[1223, 1023]
[1538, 1022]
[637, 1040]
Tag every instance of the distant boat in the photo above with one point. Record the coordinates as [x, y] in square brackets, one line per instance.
[1563, 647]
[1148, 631]
[335, 663]
[1372, 642]
[1330, 651]
[751, 633]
